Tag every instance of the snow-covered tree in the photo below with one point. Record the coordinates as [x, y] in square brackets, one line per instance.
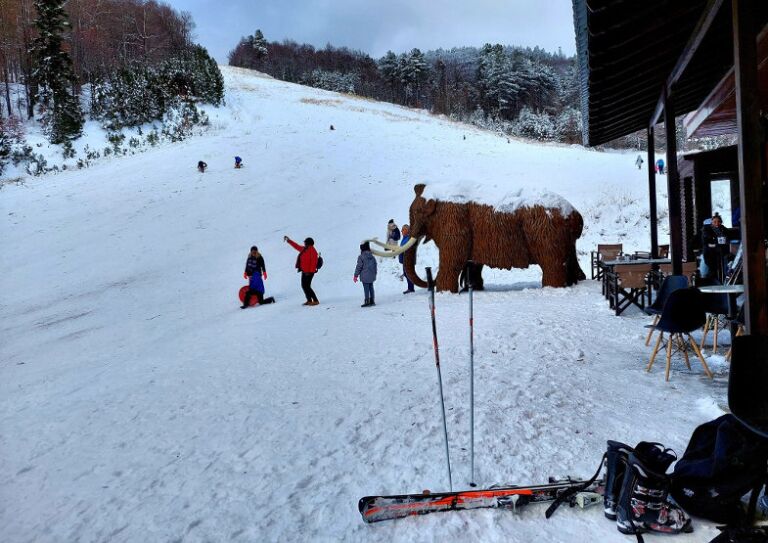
[53, 74]
[259, 45]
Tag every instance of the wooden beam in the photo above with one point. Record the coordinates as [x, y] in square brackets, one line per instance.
[697, 37]
[673, 188]
[750, 180]
[652, 193]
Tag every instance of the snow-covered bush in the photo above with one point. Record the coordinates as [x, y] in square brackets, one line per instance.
[535, 125]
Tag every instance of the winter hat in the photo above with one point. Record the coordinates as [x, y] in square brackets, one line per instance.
[365, 246]
[254, 248]
[309, 241]
[391, 221]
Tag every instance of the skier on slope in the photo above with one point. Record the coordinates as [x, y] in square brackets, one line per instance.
[366, 271]
[306, 264]
[255, 270]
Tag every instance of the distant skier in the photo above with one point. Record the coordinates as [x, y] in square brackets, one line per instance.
[639, 162]
[306, 264]
[201, 166]
[255, 270]
[406, 236]
[366, 271]
[393, 233]
[660, 166]
[238, 162]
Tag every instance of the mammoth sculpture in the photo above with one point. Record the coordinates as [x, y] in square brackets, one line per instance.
[517, 234]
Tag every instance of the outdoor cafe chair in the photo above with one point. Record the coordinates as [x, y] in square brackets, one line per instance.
[603, 254]
[627, 286]
[739, 331]
[683, 313]
[716, 308]
[663, 251]
[670, 284]
[748, 381]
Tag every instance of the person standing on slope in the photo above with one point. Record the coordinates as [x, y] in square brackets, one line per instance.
[255, 270]
[660, 166]
[406, 236]
[366, 271]
[393, 233]
[306, 264]
[639, 162]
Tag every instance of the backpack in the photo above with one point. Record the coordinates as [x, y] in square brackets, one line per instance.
[319, 261]
[298, 261]
[724, 460]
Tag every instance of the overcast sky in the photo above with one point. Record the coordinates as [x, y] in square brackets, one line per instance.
[375, 27]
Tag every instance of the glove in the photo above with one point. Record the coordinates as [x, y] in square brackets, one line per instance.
[265, 276]
[354, 279]
[245, 275]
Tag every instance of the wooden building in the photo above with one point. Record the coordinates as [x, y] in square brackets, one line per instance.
[645, 62]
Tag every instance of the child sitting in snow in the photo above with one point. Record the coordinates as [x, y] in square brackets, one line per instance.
[238, 162]
[254, 271]
[201, 166]
[366, 271]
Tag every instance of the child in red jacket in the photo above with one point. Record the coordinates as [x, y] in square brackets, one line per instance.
[306, 263]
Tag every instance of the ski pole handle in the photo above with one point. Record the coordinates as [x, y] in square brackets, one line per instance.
[430, 281]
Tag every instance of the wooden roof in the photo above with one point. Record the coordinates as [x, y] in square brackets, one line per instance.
[627, 50]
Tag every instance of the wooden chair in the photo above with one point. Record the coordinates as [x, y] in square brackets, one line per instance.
[627, 286]
[663, 251]
[683, 313]
[689, 269]
[603, 254]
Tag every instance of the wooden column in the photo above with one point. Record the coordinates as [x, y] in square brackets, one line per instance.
[673, 188]
[750, 182]
[652, 193]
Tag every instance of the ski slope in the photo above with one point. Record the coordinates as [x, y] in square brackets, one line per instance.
[139, 403]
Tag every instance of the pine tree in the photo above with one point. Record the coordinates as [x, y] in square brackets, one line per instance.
[389, 68]
[53, 74]
[259, 45]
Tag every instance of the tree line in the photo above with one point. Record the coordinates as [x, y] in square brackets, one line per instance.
[520, 91]
[123, 61]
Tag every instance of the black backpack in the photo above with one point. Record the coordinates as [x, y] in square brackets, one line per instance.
[724, 460]
[319, 261]
[298, 261]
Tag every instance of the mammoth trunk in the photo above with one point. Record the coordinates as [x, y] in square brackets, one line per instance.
[409, 260]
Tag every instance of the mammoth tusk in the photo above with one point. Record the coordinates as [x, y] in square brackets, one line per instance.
[390, 250]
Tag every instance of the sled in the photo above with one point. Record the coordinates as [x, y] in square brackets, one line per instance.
[254, 299]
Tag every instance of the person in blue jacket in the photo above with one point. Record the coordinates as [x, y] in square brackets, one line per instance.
[660, 165]
[366, 270]
[238, 162]
[255, 270]
[406, 231]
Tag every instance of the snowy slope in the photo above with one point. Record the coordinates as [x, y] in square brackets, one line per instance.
[138, 403]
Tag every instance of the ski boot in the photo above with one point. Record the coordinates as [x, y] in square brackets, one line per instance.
[643, 505]
[366, 303]
[617, 456]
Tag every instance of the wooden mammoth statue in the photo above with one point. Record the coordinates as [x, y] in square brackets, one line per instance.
[538, 232]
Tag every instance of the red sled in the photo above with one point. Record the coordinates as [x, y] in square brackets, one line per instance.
[254, 299]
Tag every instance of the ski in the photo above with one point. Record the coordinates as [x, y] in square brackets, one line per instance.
[578, 493]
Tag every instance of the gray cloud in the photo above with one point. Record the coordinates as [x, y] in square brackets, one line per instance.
[375, 27]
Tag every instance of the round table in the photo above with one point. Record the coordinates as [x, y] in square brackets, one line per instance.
[733, 292]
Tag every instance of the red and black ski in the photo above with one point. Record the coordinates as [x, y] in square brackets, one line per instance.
[581, 493]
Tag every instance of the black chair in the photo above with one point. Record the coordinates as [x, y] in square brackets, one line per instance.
[716, 308]
[670, 284]
[748, 382]
[683, 313]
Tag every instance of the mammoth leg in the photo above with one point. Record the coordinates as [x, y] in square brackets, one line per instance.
[452, 261]
[477, 278]
[548, 247]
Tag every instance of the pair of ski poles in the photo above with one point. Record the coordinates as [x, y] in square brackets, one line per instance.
[431, 286]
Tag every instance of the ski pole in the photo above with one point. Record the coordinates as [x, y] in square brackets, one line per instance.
[431, 286]
[470, 271]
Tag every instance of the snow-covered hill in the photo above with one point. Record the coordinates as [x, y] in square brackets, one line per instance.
[138, 403]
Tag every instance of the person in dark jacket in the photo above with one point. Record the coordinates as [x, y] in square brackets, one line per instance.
[306, 264]
[366, 271]
[716, 246]
[201, 166]
[255, 270]
[406, 230]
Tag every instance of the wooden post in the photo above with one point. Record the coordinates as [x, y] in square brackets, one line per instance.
[673, 188]
[652, 193]
[750, 182]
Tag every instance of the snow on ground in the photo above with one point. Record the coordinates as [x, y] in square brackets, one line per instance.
[138, 403]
